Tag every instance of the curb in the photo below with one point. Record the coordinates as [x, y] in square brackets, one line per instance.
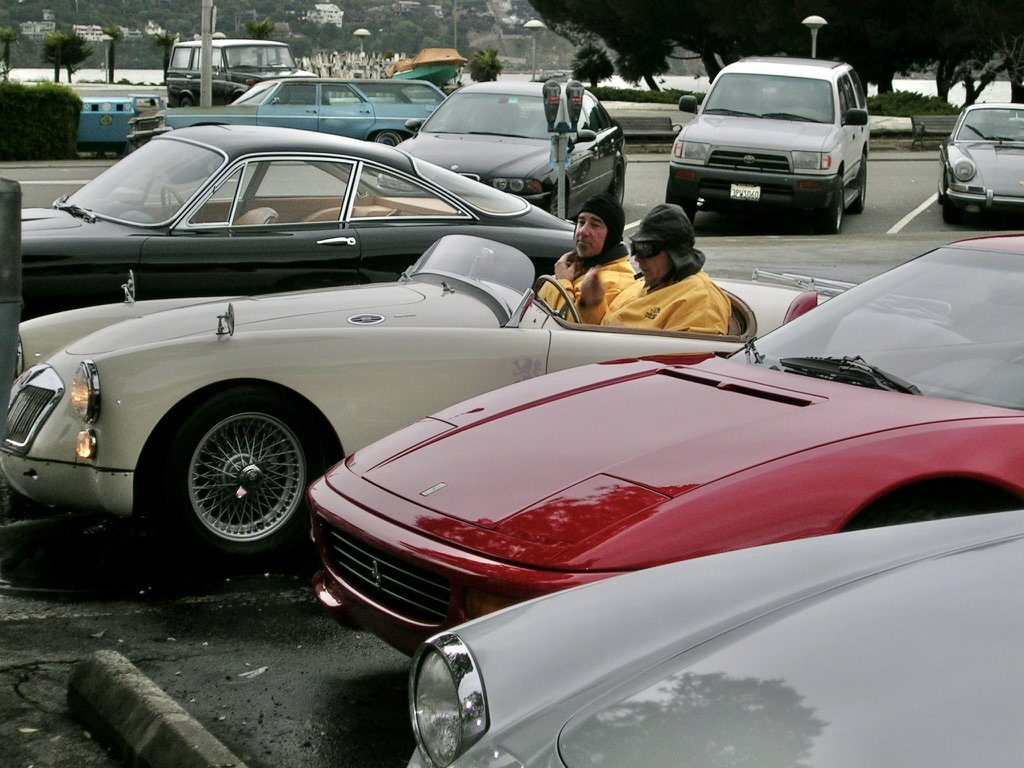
[137, 721]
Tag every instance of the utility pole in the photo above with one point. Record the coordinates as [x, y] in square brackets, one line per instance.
[206, 48]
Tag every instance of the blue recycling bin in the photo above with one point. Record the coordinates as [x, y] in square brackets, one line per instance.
[10, 289]
[103, 122]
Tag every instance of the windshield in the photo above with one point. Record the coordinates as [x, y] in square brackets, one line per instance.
[490, 114]
[947, 324]
[505, 273]
[772, 96]
[481, 196]
[992, 124]
[257, 93]
[151, 184]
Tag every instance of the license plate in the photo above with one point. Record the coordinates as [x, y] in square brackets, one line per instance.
[745, 192]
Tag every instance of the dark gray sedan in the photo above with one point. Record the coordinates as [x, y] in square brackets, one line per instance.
[891, 647]
[216, 210]
[497, 133]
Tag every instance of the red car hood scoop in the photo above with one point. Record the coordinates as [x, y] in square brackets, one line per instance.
[624, 444]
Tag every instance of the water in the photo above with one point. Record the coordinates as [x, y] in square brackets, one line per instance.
[998, 91]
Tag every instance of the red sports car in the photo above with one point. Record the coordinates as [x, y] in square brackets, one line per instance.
[898, 400]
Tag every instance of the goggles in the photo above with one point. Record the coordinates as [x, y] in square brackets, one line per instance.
[645, 249]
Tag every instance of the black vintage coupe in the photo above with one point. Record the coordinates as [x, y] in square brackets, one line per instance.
[217, 210]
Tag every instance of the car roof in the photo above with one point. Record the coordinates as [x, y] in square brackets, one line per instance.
[518, 87]
[237, 140]
[785, 65]
[357, 81]
[222, 42]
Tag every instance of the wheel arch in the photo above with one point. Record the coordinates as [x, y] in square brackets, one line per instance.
[150, 462]
[973, 495]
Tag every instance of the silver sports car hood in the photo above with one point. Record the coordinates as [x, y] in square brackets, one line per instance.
[1002, 165]
[916, 664]
[324, 309]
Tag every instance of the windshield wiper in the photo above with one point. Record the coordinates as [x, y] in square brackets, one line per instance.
[789, 116]
[848, 370]
[724, 111]
[750, 350]
[75, 210]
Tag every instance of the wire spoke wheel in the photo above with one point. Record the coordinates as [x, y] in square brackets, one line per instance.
[246, 477]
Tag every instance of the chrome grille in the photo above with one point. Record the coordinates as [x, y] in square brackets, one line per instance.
[750, 161]
[406, 589]
[33, 397]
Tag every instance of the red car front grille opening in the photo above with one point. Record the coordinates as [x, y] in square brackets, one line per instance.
[386, 580]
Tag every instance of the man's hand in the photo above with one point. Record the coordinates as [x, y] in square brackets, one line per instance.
[566, 267]
[591, 290]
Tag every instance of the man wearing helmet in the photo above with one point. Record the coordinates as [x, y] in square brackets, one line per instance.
[675, 294]
[599, 249]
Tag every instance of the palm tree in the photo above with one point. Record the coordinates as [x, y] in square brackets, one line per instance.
[484, 66]
[67, 51]
[259, 30]
[166, 41]
[7, 36]
[114, 33]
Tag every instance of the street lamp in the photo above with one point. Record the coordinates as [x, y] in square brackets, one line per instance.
[814, 23]
[361, 33]
[534, 25]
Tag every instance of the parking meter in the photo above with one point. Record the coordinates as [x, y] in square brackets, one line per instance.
[552, 102]
[10, 288]
[574, 99]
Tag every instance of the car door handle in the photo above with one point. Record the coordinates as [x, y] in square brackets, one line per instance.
[337, 241]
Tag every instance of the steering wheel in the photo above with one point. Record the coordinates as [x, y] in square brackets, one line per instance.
[568, 305]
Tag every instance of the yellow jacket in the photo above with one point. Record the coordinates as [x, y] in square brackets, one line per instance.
[615, 276]
[693, 304]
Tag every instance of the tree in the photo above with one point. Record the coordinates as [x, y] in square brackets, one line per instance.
[7, 37]
[259, 30]
[591, 63]
[114, 33]
[484, 66]
[166, 41]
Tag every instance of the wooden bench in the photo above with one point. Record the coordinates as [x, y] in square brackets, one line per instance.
[648, 127]
[930, 125]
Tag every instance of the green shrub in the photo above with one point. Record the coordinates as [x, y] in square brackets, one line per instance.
[908, 103]
[38, 122]
[670, 96]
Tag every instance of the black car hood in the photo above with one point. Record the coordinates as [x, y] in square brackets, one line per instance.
[47, 220]
[487, 156]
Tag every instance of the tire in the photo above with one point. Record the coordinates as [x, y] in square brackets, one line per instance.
[950, 213]
[185, 100]
[389, 138]
[830, 220]
[861, 185]
[915, 506]
[237, 471]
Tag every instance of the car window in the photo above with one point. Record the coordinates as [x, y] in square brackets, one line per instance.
[381, 193]
[333, 94]
[217, 208]
[398, 92]
[257, 93]
[180, 58]
[481, 196]
[297, 94]
[259, 56]
[290, 191]
[592, 116]
[800, 98]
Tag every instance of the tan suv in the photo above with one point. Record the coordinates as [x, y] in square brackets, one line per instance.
[775, 132]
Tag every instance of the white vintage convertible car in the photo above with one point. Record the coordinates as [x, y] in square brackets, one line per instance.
[215, 414]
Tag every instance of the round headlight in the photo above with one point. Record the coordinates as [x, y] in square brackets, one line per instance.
[85, 391]
[446, 698]
[964, 170]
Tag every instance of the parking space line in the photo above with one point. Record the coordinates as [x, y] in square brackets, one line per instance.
[912, 215]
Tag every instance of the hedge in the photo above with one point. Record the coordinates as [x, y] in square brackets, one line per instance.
[38, 121]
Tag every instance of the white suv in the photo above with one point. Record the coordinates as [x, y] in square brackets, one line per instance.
[775, 133]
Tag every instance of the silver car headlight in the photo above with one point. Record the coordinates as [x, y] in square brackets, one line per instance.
[446, 700]
[85, 391]
[692, 151]
[964, 169]
[812, 161]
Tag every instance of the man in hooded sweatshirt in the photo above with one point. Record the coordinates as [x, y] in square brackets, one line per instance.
[675, 294]
[599, 248]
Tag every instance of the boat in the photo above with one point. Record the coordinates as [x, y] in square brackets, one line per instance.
[436, 65]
